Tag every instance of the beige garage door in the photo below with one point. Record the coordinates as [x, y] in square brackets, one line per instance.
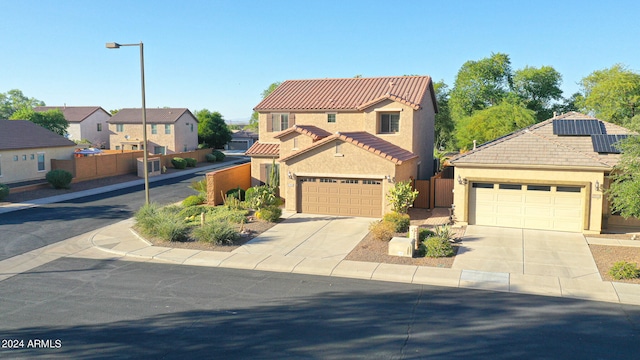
[346, 197]
[545, 207]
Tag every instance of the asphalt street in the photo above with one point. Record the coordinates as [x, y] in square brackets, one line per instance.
[100, 308]
[29, 229]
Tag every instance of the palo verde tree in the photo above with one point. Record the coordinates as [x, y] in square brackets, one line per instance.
[212, 130]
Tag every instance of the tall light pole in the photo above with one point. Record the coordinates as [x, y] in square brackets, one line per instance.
[114, 45]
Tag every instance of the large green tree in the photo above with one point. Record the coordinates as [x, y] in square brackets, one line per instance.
[538, 88]
[254, 124]
[612, 94]
[14, 100]
[493, 122]
[444, 125]
[624, 191]
[52, 119]
[212, 129]
[480, 84]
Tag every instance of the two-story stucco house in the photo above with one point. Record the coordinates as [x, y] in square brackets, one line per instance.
[26, 150]
[85, 122]
[340, 144]
[169, 130]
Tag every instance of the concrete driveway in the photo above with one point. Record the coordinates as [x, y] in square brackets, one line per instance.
[528, 252]
[310, 236]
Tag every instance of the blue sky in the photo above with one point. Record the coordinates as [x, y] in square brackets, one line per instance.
[221, 55]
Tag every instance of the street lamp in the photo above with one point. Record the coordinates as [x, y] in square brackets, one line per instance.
[114, 45]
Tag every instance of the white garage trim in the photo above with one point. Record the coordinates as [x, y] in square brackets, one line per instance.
[529, 206]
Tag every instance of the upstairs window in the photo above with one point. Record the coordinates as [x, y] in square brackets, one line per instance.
[279, 122]
[167, 129]
[119, 127]
[99, 125]
[389, 123]
[154, 129]
[331, 118]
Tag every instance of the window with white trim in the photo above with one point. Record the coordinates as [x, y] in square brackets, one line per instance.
[167, 128]
[41, 166]
[389, 123]
[119, 127]
[279, 122]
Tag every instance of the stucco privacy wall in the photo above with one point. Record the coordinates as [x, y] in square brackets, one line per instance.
[26, 168]
[221, 181]
[592, 199]
[351, 162]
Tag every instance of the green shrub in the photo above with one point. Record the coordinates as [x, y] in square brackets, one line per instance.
[237, 193]
[443, 231]
[401, 196]
[59, 179]
[4, 191]
[219, 155]
[249, 195]
[228, 215]
[382, 230]
[262, 197]
[196, 210]
[400, 221]
[193, 200]
[163, 223]
[219, 233]
[210, 158]
[171, 228]
[270, 213]
[147, 217]
[179, 163]
[200, 187]
[438, 247]
[624, 270]
[191, 162]
[423, 234]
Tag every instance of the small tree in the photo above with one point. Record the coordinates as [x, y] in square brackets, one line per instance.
[402, 196]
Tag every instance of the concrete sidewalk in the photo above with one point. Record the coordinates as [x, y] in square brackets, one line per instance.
[121, 241]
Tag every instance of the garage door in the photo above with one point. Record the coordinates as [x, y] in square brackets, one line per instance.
[545, 207]
[335, 196]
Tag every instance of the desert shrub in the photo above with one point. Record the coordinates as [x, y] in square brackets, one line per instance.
[401, 196]
[436, 246]
[219, 233]
[191, 162]
[200, 187]
[4, 191]
[179, 163]
[443, 231]
[196, 210]
[234, 204]
[193, 200]
[262, 197]
[163, 223]
[210, 158]
[59, 179]
[237, 193]
[400, 221]
[219, 155]
[423, 234]
[249, 195]
[382, 230]
[225, 214]
[270, 213]
[624, 270]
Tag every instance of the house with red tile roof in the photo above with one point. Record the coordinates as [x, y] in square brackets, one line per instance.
[85, 123]
[339, 145]
[169, 130]
[26, 150]
[551, 176]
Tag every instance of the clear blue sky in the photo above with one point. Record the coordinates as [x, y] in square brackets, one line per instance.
[221, 55]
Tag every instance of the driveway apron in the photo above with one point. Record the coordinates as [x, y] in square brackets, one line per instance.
[310, 236]
[526, 251]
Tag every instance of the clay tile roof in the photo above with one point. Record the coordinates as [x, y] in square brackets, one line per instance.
[537, 145]
[314, 132]
[23, 134]
[347, 94]
[72, 113]
[263, 149]
[157, 116]
[366, 141]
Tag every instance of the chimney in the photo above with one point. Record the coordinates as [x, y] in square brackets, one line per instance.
[555, 114]
[474, 144]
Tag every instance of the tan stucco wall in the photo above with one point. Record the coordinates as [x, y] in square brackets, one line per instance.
[25, 170]
[181, 135]
[592, 199]
[221, 181]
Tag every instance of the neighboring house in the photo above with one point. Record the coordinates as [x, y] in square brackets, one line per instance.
[549, 176]
[241, 140]
[26, 150]
[169, 130]
[85, 122]
[339, 145]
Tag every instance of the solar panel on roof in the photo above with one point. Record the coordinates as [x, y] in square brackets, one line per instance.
[577, 127]
[607, 144]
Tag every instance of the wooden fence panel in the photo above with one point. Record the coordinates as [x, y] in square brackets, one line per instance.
[443, 192]
[422, 201]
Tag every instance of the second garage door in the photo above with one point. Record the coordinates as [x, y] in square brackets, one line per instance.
[335, 196]
[545, 207]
